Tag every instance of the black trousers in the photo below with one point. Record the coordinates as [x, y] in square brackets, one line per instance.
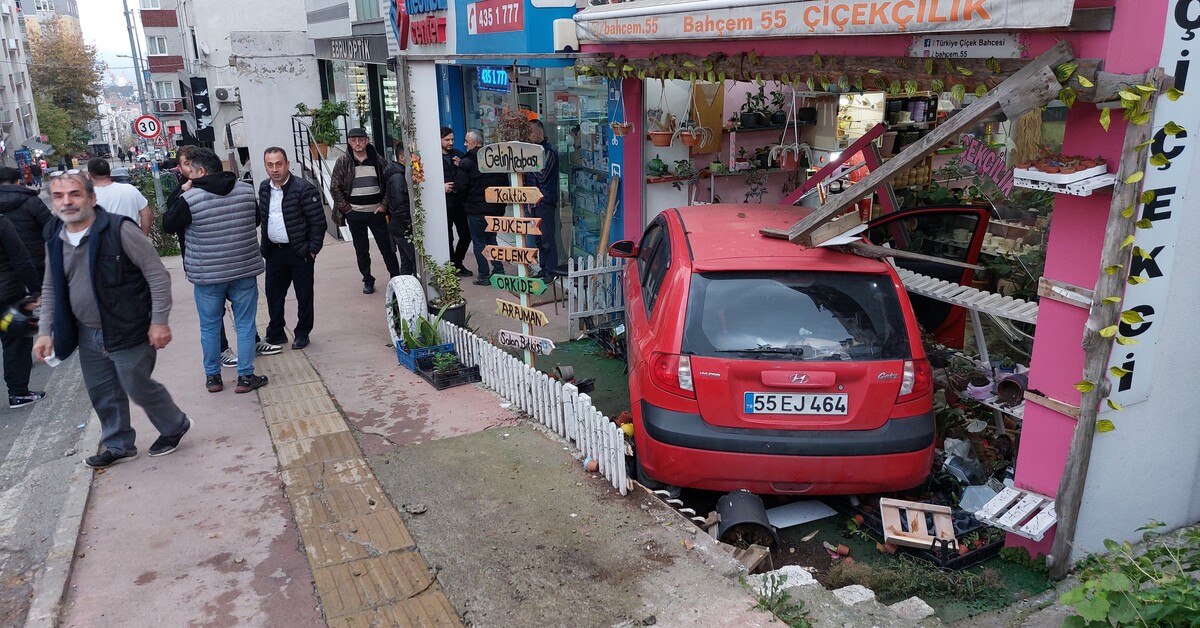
[456, 220]
[18, 362]
[284, 268]
[359, 223]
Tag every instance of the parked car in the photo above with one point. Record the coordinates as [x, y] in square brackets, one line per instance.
[122, 175]
[758, 364]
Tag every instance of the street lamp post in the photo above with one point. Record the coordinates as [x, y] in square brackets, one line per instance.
[137, 67]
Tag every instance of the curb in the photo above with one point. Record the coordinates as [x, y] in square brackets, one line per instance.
[50, 586]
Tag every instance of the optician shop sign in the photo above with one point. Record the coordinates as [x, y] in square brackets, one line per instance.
[620, 22]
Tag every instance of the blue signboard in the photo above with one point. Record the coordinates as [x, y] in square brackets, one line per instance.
[510, 26]
[493, 79]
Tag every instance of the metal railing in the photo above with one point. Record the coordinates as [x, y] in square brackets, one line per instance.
[314, 166]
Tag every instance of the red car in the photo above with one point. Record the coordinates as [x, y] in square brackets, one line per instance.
[761, 365]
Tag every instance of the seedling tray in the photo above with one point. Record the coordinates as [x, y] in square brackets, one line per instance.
[441, 381]
[408, 359]
[943, 557]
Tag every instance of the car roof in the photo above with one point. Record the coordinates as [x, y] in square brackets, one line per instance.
[727, 237]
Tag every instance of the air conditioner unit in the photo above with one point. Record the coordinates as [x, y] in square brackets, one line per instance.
[227, 93]
[6, 9]
[167, 106]
[14, 43]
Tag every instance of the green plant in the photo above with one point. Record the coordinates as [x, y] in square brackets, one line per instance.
[906, 576]
[685, 170]
[1020, 556]
[1156, 587]
[950, 418]
[756, 103]
[775, 600]
[445, 362]
[324, 128]
[425, 334]
[857, 530]
[756, 183]
[446, 281]
[777, 101]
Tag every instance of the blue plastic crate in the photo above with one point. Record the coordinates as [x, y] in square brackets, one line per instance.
[409, 360]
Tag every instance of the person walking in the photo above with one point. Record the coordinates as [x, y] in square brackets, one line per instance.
[293, 231]
[118, 329]
[28, 213]
[472, 184]
[400, 214]
[547, 208]
[456, 218]
[119, 198]
[357, 186]
[19, 280]
[35, 171]
[218, 215]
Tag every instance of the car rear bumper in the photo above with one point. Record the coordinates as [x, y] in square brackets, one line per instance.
[681, 449]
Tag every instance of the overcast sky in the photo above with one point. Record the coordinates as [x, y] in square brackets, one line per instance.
[103, 24]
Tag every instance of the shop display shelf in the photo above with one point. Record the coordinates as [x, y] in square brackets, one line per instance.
[576, 166]
[733, 173]
[771, 127]
[1083, 187]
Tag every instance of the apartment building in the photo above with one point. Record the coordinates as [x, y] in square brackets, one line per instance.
[18, 119]
[166, 48]
[37, 11]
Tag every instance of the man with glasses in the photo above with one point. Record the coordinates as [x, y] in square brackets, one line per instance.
[218, 214]
[118, 329]
[357, 189]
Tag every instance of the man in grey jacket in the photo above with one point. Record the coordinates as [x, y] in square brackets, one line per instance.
[219, 217]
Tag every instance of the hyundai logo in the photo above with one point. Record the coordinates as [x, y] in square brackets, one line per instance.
[799, 378]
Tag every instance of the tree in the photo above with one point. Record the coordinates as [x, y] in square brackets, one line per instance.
[64, 72]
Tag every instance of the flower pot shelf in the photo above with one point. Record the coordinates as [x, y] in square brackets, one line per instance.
[772, 127]
[1083, 187]
[665, 179]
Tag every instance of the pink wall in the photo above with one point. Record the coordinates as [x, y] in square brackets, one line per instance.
[1077, 229]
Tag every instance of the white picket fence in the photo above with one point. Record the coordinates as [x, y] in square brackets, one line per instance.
[558, 406]
[594, 287]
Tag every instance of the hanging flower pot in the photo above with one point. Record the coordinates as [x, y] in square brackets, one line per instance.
[688, 139]
[621, 129]
[661, 138]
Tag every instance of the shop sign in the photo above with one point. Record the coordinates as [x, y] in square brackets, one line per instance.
[532, 344]
[508, 224]
[830, 17]
[425, 31]
[511, 157]
[495, 16]
[493, 79]
[357, 49]
[524, 314]
[509, 196]
[988, 163]
[971, 46]
[431, 30]
[1173, 195]
[519, 285]
[510, 254]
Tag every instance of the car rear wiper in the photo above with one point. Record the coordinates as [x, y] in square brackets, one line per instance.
[796, 351]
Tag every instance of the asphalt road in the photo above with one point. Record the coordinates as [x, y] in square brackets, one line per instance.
[40, 448]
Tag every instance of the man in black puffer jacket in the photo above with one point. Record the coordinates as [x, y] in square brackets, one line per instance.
[28, 214]
[399, 213]
[293, 231]
[472, 183]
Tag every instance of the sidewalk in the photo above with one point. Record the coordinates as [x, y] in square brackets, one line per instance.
[269, 515]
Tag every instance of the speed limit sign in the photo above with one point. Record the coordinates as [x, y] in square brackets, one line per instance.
[147, 126]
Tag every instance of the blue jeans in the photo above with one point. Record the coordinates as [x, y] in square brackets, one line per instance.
[210, 306]
[479, 239]
[112, 379]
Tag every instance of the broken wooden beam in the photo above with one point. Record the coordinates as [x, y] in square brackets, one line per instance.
[875, 251]
[1031, 87]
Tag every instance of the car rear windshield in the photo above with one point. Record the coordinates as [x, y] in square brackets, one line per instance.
[795, 315]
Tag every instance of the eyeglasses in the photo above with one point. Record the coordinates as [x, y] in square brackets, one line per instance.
[62, 172]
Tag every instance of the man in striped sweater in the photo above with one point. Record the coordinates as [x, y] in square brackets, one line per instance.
[357, 189]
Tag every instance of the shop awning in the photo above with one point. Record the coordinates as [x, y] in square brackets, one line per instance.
[36, 145]
[661, 20]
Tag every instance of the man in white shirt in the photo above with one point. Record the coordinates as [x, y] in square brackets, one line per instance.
[293, 231]
[119, 198]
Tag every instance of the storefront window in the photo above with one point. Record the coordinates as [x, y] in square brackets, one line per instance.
[349, 84]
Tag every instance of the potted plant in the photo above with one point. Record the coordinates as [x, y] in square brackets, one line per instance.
[324, 131]
[450, 302]
[685, 170]
[418, 340]
[743, 160]
[692, 134]
[748, 114]
[661, 126]
[787, 156]
[762, 158]
[778, 115]
[756, 183]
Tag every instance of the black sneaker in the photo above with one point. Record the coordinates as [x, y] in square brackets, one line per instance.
[463, 272]
[483, 280]
[107, 458]
[167, 444]
[214, 383]
[368, 287]
[247, 383]
[299, 343]
[20, 401]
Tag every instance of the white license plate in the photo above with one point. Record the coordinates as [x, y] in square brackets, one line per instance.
[793, 403]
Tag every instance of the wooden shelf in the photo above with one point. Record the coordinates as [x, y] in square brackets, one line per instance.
[1079, 188]
[773, 127]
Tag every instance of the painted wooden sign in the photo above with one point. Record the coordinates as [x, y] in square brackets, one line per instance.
[511, 157]
[518, 195]
[988, 163]
[508, 224]
[532, 344]
[510, 254]
[523, 285]
[524, 314]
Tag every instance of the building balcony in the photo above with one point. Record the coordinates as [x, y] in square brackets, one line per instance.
[159, 18]
[164, 64]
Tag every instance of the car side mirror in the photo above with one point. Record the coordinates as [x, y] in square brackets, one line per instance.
[623, 248]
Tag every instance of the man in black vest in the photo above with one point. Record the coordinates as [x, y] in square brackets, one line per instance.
[117, 329]
[472, 184]
[293, 231]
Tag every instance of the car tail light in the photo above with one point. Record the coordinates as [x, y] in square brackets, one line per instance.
[673, 373]
[916, 382]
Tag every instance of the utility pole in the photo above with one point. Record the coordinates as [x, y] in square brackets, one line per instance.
[137, 67]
